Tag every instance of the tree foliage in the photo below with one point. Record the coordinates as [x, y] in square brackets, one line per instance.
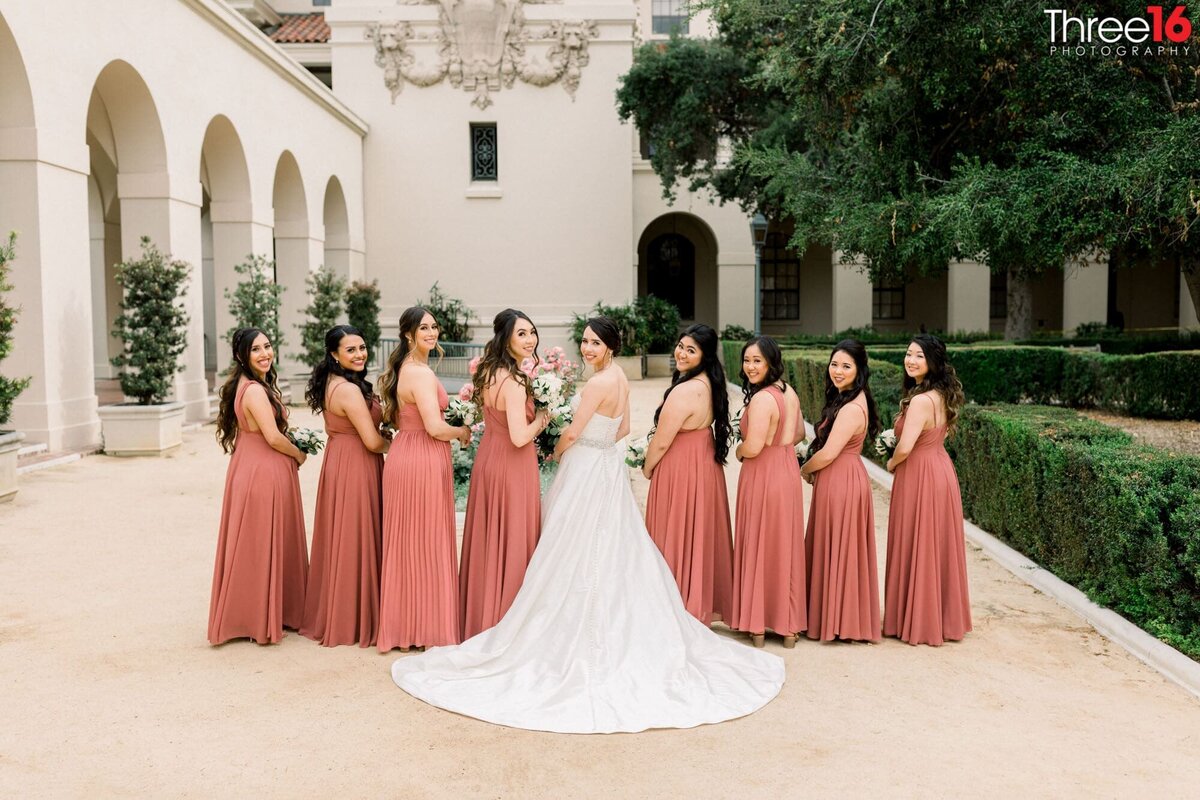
[152, 325]
[909, 133]
[362, 310]
[255, 301]
[325, 298]
[9, 387]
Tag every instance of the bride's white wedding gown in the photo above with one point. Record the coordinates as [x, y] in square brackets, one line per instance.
[597, 640]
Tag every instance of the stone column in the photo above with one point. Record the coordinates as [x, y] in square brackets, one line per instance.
[238, 231]
[297, 253]
[1187, 311]
[1085, 293]
[44, 199]
[851, 294]
[736, 292]
[968, 297]
[167, 209]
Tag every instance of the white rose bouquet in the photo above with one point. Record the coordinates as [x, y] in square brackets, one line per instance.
[461, 412]
[307, 441]
[885, 443]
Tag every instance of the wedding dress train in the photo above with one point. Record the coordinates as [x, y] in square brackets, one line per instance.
[597, 640]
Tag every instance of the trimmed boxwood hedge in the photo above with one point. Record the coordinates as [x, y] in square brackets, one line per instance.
[1118, 520]
[1154, 385]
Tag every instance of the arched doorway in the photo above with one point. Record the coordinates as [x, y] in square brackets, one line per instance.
[295, 254]
[677, 261]
[337, 229]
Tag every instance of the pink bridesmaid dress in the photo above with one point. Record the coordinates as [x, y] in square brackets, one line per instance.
[925, 585]
[504, 510]
[687, 515]
[843, 580]
[262, 560]
[342, 602]
[418, 602]
[768, 553]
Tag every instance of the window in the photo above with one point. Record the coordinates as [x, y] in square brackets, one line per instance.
[484, 156]
[645, 147]
[998, 296]
[887, 301]
[668, 16]
[780, 275]
[323, 74]
[322, 2]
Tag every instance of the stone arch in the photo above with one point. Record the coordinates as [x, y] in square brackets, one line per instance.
[296, 254]
[127, 157]
[226, 230]
[16, 97]
[677, 260]
[337, 228]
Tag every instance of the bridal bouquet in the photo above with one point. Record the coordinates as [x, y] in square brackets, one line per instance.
[885, 443]
[307, 441]
[553, 380]
[461, 412]
[635, 452]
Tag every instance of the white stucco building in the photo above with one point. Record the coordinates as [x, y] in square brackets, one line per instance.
[470, 142]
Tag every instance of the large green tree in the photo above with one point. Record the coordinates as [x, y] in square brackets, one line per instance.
[908, 133]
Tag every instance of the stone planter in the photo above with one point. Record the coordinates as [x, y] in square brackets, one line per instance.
[659, 365]
[10, 444]
[133, 430]
[634, 367]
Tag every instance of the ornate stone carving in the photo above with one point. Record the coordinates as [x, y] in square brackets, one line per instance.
[481, 46]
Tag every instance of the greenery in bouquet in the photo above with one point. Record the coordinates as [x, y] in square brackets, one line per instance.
[635, 452]
[461, 412]
[306, 440]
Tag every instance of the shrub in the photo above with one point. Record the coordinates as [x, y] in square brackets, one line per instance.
[663, 323]
[255, 301]
[9, 387]
[736, 333]
[152, 325]
[325, 290]
[1117, 520]
[635, 333]
[362, 311]
[452, 315]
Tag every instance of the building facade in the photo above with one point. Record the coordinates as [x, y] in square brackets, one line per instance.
[471, 143]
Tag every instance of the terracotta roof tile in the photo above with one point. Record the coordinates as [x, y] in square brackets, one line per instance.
[302, 29]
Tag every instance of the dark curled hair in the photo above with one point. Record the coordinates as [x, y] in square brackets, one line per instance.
[319, 380]
[774, 357]
[410, 322]
[227, 424]
[710, 365]
[497, 357]
[941, 377]
[606, 331]
[835, 400]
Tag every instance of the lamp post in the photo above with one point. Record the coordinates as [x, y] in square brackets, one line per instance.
[758, 233]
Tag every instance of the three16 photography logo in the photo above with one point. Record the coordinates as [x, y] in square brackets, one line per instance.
[1162, 32]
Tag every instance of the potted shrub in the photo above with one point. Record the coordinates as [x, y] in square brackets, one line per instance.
[362, 310]
[663, 324]
[152, 330]
[325, 299]
[634, 336]
[10, 441]
[254, 303]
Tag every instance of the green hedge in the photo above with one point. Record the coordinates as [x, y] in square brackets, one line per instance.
[1117, 520]
[1155, 385]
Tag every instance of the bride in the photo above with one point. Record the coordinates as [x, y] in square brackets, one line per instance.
[597, 640]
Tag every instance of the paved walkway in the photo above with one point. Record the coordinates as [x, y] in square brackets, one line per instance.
[110, 689]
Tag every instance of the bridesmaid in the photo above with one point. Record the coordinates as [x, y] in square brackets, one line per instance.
[504, 500]
[925, 588]
[418, 602]
[342, 602]
[768, 558]
[262, 563]
[687, 511]
[843, 580]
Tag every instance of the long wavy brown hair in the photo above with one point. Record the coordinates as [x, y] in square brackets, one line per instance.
[227, 424]
[941, 376]
[496, 355]
[410, 321]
